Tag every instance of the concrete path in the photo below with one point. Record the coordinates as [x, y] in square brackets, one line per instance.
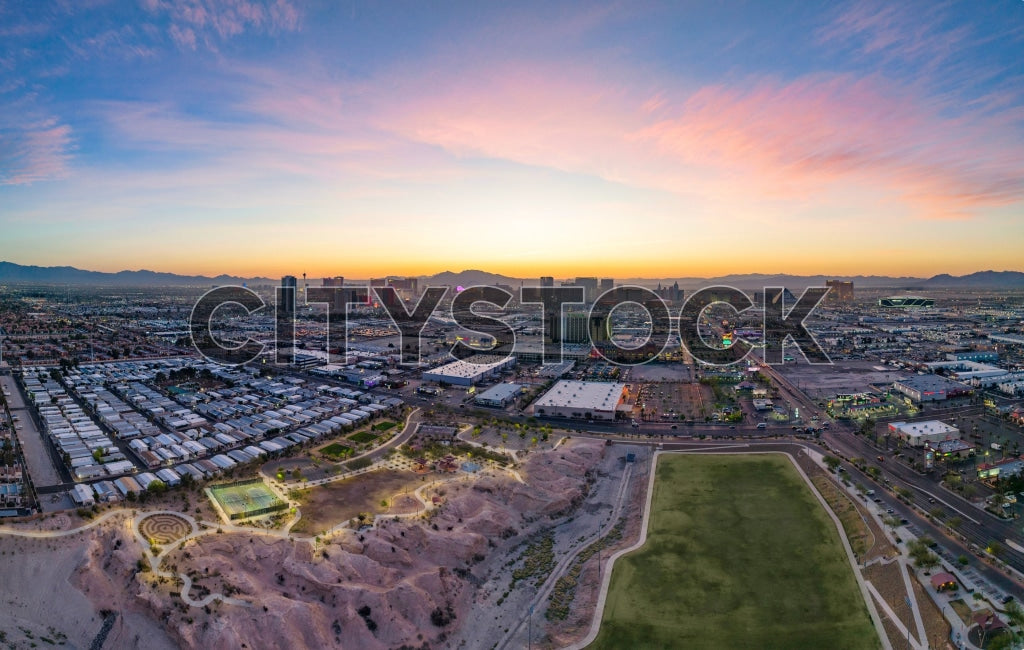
[894, 618]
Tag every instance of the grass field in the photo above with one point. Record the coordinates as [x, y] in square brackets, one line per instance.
[336, 450]
[384, 426]
[739, 554]
[363, 436]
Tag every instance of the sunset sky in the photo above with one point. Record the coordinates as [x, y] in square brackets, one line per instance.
[622, 139]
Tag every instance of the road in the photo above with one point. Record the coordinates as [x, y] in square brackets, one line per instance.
[978, 526]
[39, 455]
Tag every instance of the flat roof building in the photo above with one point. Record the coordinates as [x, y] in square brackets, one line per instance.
[930, 388]
[918, 434]
[468, 373]
[498, 396]
[585, 400]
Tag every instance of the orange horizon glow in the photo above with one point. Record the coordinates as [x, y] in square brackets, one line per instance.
[316, 270]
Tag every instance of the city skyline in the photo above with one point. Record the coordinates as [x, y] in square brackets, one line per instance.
[261, 139]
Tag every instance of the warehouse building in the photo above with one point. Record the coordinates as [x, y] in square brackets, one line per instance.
[583, 400]
[498, 396]
[930, 388]
[469, 373]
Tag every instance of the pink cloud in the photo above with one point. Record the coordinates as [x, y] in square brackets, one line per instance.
[183, 37]
[208, 20]
[893, 29]
[766, 138]
[806, 141]
[37, 152]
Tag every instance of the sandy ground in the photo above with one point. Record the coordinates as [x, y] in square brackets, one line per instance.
[327, 505]
[412, 583]
[423, 582]
[499, 609]
[57, 588]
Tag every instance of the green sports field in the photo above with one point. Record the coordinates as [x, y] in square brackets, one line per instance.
[246, 499]
[739, 554]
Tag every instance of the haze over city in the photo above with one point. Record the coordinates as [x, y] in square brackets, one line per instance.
[673, 139]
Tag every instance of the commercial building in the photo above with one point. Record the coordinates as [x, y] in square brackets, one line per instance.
[1001, 469]
[582, 400]
[974, 355]
[589, 288]
[840, 292]
[336, 281]
[905, 302]
[952, 449]
[671, 294]
[469, 373]
[579, 327]
[288, 292]
[498, 396]
[919, 434]
[930, 388]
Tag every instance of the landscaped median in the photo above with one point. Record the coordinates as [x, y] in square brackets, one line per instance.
[739, 554]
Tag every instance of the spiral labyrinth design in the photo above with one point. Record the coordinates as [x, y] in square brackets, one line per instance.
[164, 528]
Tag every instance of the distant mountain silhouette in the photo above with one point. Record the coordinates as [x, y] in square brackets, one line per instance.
[469, 278]
[979, 280]
[17, 273]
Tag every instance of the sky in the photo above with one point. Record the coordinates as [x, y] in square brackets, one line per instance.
[626, 139]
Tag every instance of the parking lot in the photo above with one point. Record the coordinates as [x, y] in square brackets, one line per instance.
[970, 577]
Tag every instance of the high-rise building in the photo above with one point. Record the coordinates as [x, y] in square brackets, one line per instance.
[336, 281]
[547, 281]
[407, 285]
[589, 288]
[607, 284]
[671, 294]
[575, 327]
[840, 292]
[289, 285]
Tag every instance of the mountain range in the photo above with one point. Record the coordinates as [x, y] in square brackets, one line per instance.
[11, 273]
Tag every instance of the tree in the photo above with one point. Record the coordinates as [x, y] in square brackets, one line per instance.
[892, 522]
[927, 560]
[832, 462]
[1015, 615]
[995, 548]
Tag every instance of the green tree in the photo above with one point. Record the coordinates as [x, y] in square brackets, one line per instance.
[832, 462]
[1015, 615]
[995, 547]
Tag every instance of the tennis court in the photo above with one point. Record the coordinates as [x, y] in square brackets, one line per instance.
[246, 499]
